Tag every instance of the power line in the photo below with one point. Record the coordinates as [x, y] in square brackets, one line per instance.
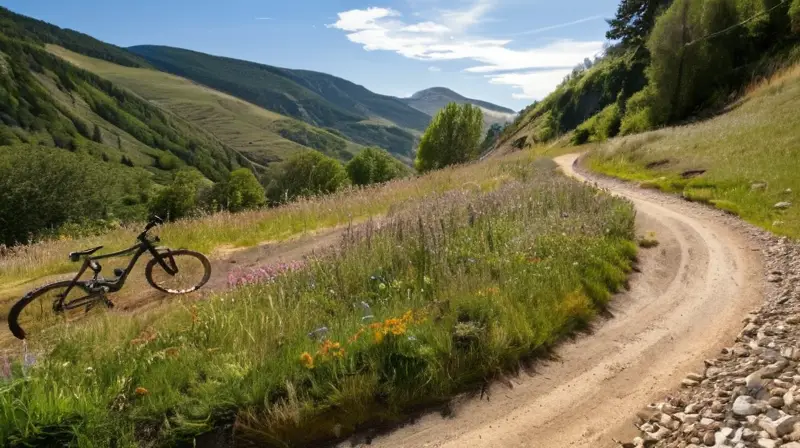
[713, 35]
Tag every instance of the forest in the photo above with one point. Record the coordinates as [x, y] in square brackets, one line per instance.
[667, 61]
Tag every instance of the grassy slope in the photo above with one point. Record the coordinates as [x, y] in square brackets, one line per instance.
[751, 154]
[463, 285]
[316, 98]
[248, 128]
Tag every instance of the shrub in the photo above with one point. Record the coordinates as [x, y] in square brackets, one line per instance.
[794, 16]
[306, 174]
[241, 191]
[374, 165]
[452, 137]
[179, 199]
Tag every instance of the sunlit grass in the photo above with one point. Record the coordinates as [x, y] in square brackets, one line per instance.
[751, 155]
[444, 295]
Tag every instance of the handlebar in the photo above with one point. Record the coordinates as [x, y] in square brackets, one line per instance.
[155, 221]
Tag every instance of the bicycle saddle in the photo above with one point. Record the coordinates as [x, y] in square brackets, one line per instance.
[74, 256]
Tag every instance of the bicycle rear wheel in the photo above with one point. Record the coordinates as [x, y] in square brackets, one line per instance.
[37, 311]
[191, 271]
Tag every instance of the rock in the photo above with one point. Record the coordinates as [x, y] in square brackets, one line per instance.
[793, 320]
[689, 383]
[783, 205]
[758, 186]
[709, 439]
[766, 443]
[745, 405]
[772, 278]
[791, 445]
[776, 402]
[694, 377]
[780, 427]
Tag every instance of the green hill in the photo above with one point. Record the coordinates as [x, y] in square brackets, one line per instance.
[34, 31]
[316, 98]
[48, 102]
[263, 136]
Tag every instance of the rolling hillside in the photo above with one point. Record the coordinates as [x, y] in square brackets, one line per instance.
[430, 101]
[261, 135]
[48, 102]
[316, 98]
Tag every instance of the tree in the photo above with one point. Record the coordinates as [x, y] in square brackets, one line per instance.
[96, 135]
[452, 137]
[492, 134]
[634, 20]
[374, 165]
[241, 191]
[305, 174]
[179, 199]
[794, 16]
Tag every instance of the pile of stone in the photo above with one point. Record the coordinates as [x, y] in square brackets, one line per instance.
[749, 396]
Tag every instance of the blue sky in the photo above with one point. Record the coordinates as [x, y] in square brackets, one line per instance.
[509, 52]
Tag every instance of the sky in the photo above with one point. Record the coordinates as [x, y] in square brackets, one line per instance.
[508, 52]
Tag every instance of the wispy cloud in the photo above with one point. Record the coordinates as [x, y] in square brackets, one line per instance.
[264, 18]
[434, 68]
[534, 71]
[559, 26]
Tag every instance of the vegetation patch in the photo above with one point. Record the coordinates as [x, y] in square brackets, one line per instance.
[750, 154]
[443, 297]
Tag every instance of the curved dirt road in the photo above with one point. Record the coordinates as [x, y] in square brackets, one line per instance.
[687, 302]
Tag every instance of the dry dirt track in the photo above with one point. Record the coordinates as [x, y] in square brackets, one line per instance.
[687, 301]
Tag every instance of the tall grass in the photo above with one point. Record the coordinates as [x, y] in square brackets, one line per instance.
[26, 263]
[439, 299]
[751, 155]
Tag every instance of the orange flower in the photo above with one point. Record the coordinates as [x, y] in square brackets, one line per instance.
[378, 337]
[307, 360]
[141, 391]
[172, 351]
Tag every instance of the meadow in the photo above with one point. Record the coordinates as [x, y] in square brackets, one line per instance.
[455, 287]
[744, 161]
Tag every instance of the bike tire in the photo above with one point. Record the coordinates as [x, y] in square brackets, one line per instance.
[182, 257]
[40, 293]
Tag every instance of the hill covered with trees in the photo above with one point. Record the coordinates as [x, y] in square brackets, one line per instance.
[320, 99]
[667, 61]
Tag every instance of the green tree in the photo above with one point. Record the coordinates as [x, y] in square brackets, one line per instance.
[794, 16]
[241, 191]
[42, 189]
[634, 20]
[374, 165]
[452, 137]
[492, 135]
[305, 174]
[97, 135]
[180, 198]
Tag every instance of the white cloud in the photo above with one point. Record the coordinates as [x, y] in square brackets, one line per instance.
[534, 85]
[264, 18]
[433, 68]
[446, 39]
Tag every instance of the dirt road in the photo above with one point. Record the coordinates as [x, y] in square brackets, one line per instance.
[687, 301]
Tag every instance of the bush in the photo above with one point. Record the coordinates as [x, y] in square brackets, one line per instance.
[42, 189]
[180, 199]
[374, 165]
[453, 137]
[241, 191]
[306, 174]
[794, 16]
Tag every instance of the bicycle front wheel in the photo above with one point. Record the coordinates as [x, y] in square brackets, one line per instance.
[190, 271]
[39, 310]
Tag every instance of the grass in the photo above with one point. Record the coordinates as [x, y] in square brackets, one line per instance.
[22, 265]
[451, 291]
[254, 131]
[648, 241]
[751, 155]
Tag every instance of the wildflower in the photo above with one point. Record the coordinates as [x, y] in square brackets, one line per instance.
[307, 360]
[172, 351]
[382, 286]
[378, 336]
[141, 391]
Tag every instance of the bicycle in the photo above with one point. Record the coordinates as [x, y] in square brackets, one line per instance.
[164, 272]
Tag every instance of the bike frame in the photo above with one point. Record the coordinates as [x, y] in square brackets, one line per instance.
[96, 287]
